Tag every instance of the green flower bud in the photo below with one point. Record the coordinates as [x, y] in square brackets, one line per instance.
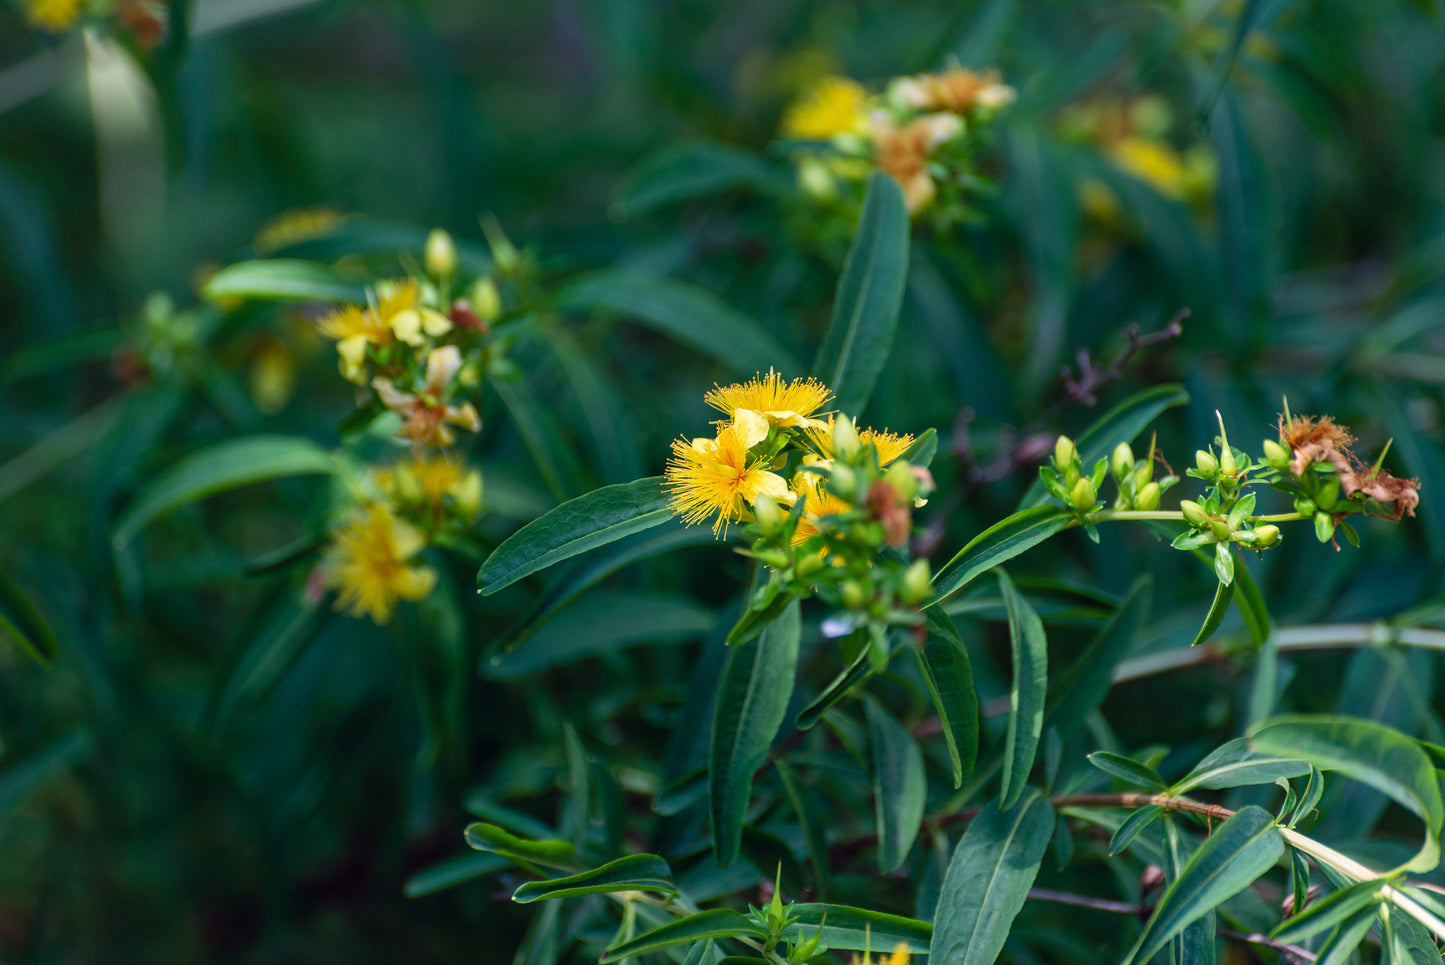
[765, 510]
[1266, 535]
[1083, 497]
[816, 180]
[917, 583]
[1305, 506]
[1328, 495]
[1220, 529]
[440, 254]
[486, 300]
[900, 477]
[1194, 513]
[845, 438]
[777, 559]
[1275, 454]
[1148, 497]
[1064, 452]
[1207, 465]
[1227, 465]
[853, 595]
[842, 482]
[1122, 462]
[1143, 472]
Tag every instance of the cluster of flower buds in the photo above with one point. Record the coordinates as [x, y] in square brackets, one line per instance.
[421, 347]
[1135, 478]
[920, 131]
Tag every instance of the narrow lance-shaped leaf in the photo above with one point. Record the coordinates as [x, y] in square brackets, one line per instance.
[1127, 770]
[988, 880]
[1026, 698]
[944, 662]
[283, 279]
[1372, 753]
[715, 923]
[578, 525]
[453, 871]
[898, 786]
[1217, 610]
[998, 544]
[1082, 687]
[849, 929]
[23, 623]
[1328, 912]
[633, 872]
[868, 298]
[752, 701]
[217, 468]
[851, 676]
[691, 170]
[1238, 852]
[1236, 764]
[489, 837]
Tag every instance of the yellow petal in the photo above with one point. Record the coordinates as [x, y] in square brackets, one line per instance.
[752, 426]
[435, 323]
[770, 483]
[406, 326]
[352, 351]
[464, 415]
[416, 582]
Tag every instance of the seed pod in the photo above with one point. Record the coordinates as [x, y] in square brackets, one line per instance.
[1275, 455]
[1083, 497]
[1194, 513]
[1207, 465]
[440, 254]
[1143, 472]
[1122, 462]
[1266, 535]
[1227, 465]
[917, 583]
[1220, 529]
[1329, 494]
[1148, 497]
[842, 482]
[1324, 527]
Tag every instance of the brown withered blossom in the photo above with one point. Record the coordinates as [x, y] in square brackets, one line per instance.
[1321, 439]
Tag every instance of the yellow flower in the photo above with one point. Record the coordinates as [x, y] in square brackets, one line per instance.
[297, 225]
[366, 564]
[957, 91]
[429, 481]
[425, 419]
[769, 399]
[900, 956]
[1153, 162]
[353, 329]
[707, 476]
[903, 153]
[53, 16]
[890, 445]
[398, 310]
[835, 105]
[817, 502]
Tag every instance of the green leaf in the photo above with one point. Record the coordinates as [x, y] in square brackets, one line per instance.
[268, 650]
[217, 468]
[898, 786]
[21, 778]
[602, 623]
[988, 880]
[682, 311]
[1338, 949]
[578, 525]
[1223, 592]
[633, 872]
[1123, 423]
[1132, 826]
[1082, 687]
[1372, 753]
[690, 170]
[1239, 851]
[1328, 912]
[923, 449]
[851, 676]
[24, 624]
[452, 872]
[489, 837]
[998, 544]
[944, 662]
[812, 820]
[1224, 564]
[716, 923]
[849, 929]
[867, 300]
[1026, 698]
[551, 452]
[285, 280]
[1237, 764]
[752, 700]
[1131, 772]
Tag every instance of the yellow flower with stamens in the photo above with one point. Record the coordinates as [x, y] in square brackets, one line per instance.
[890, 445]
[900, 956]
[53, 16]
[353, 329]
[835, 105]
[777, 402]
[367, 564]
[707, 476]
[817, 502]
[409, 321]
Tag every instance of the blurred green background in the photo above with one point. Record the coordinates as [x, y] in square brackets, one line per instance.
[134, 826]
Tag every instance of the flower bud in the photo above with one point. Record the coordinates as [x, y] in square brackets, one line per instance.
[440, 254]
[1207, 465]
[1324, 527]
[917, 583]
[765, 511]
[1227, 465]
[504, 254]
[1148, 497]
[1194, 513]
[1122, 462]
[486, 300]
[1143, 472]
[1064, 452]
[842, 482]
[1275, 454]
[777, 559]
[1305, 506]
[815, 180]
[900, 477]
[1328, 495]
[1266, 535]
[845, 438]
[1220, 529]
[1083, 497]
[853, 595]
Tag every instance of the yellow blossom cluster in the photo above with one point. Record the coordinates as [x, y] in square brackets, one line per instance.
[724, 477]
[899, 132]
[371, 559]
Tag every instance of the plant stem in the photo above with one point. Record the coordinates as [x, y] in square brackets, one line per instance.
[1135, 515]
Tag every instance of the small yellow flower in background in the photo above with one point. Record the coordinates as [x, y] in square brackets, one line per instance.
[295, 226]
[890, 445]
[425, 419]
[399, 311]
[835, 105]
[366, 564]
[903, 153]
[957, 91]
[900, 956]
[430, 481]
[707, 476]
[353, 329]
[1153, 162]
[272, 376]
[53, 16]
[775, 401]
